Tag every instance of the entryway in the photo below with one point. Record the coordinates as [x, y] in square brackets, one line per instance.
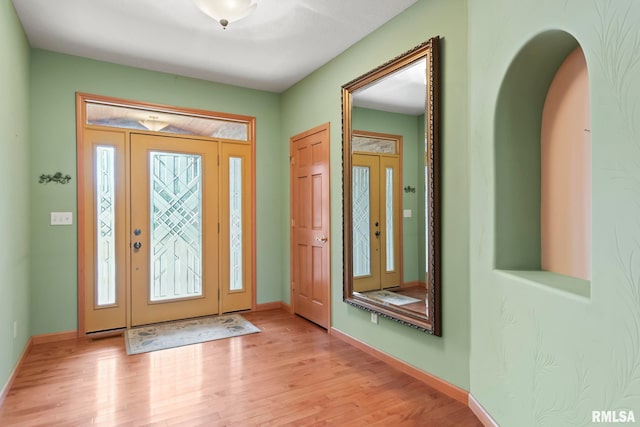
[165, 215]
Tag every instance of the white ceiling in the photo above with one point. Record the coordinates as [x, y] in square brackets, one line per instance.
[404, 91]
[275, 47]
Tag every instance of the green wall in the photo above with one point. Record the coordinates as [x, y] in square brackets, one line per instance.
[14, 189]
[412, 169]
[55, 78]
[542, 355]
[316, 100]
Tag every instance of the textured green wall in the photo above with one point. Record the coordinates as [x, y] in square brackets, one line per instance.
[14, 189]
[316, 100]
[407, 126]
[55, 78]
[542, 356]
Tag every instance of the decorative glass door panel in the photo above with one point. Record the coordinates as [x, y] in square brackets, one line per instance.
[103, 202]
[366, 223]
[105, 193]
[390, 209]
[174, 228]
[361, 222]
[235, 227]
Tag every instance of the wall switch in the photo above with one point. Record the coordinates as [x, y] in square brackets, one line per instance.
[15, 329]
[408, 213]
[61, 218]
[374, 318]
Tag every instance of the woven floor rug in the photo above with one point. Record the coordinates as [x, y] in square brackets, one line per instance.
[185, 332]
[391, 297]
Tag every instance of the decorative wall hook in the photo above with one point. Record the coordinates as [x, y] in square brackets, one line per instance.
[409, 189]
[57, 177]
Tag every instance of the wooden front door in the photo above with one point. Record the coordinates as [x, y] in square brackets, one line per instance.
[174, 228]
[310, 208]
[376, 222]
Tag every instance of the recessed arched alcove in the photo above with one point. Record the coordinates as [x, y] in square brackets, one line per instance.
[518, 129]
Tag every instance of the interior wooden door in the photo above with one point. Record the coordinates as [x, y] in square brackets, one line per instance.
[174, 228]
[310, 218]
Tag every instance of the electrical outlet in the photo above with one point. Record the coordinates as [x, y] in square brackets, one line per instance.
[15, 329]
[374, 318]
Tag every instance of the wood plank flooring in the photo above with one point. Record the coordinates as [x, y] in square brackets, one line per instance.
[292, 373]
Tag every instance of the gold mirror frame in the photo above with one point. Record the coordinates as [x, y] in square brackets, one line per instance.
[431, 321]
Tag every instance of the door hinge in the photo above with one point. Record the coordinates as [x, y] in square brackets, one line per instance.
[293, 222]
[218, 159]
[292, 160]
[218, 228]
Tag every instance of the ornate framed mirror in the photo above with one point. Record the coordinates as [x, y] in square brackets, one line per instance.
[391, 191]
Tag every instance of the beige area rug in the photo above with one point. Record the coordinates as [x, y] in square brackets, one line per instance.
[390, 297]
[186, 332]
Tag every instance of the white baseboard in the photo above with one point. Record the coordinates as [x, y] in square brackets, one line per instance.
[481, 413]
[7, 386]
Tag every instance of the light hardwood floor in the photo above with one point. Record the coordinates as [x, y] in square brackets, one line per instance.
[292, 373]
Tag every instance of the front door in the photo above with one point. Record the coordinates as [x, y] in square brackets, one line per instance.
[174, 228]
[310, 207]
[376, 222]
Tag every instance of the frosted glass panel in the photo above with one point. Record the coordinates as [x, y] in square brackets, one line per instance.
[169, 122]
[389, 215]
[361, 227]
[106, 226]
[367, 144]
[235, 223]
[176, 225]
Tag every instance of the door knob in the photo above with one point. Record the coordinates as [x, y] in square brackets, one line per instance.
[322, 239]
[137, 246]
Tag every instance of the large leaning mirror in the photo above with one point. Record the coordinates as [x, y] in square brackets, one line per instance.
[391, 189]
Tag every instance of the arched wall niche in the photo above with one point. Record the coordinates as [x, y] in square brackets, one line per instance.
[566, 171]
[518, 130]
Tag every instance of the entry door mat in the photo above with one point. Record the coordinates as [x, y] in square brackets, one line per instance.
[186, 332]
[390, 297]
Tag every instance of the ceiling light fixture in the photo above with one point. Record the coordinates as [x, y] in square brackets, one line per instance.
[153, 124]
[226, 11]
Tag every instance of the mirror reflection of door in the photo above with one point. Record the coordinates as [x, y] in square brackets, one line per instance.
[377, 248]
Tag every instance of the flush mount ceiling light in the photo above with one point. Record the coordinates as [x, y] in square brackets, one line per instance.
[226, 11]
[153, 123]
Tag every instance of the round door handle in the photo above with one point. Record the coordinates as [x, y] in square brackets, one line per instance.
[322, 239]
[137, 245]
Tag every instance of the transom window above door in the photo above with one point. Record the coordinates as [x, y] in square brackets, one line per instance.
[126, 117]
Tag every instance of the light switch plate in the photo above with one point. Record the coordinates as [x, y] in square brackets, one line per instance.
[408, 213]
[61, 218]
